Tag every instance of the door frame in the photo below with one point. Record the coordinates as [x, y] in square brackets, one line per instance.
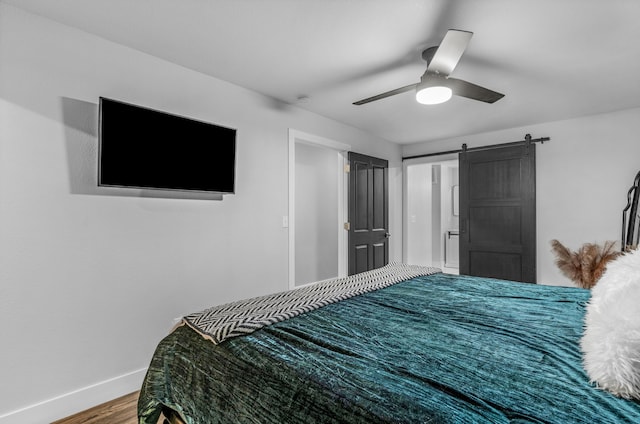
[341, 150]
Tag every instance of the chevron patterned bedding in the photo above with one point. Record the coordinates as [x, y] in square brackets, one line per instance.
[431, 348]
[246, 316]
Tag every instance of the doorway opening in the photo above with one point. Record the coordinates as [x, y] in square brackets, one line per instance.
[317, 209]
[431, 213]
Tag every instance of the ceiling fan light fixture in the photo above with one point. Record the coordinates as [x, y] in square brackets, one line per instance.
[433, 95]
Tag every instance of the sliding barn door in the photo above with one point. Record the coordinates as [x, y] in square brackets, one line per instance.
[368, 213]
[498, 213]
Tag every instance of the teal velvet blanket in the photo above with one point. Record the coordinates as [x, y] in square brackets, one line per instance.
[432, 349]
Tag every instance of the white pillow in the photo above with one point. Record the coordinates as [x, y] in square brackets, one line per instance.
[611, 340]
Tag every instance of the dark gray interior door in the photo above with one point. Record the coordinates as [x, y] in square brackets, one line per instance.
[368, 213]
[498, 213]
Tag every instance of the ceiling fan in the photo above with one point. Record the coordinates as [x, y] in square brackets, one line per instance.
[436, 86]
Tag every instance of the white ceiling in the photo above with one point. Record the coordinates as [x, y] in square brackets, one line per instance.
[554, 59]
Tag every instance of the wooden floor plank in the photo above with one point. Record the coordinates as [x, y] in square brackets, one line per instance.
[118, 411]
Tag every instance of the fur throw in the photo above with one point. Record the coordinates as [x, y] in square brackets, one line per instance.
[584, 267]
[611, 340]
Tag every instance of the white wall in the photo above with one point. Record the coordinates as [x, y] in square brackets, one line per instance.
[582, 178]
[91, 279]
[316, 214]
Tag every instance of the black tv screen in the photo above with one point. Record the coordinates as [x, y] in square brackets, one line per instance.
[148, 149]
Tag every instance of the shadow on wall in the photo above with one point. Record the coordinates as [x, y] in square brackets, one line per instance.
[81, 136]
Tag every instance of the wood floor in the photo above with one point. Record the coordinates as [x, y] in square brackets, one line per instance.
[118, 411]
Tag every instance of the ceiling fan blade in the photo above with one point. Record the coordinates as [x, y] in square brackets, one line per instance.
[449, 52]
[386, 94]
[466, 89]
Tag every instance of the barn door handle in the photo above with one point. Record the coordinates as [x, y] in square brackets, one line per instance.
[387, 235]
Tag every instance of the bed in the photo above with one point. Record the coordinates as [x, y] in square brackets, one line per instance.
[396, 345]
[631, 218]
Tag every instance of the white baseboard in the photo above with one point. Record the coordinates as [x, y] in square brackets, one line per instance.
[76, 401]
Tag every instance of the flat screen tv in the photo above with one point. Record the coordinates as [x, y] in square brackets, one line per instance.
[148, 149]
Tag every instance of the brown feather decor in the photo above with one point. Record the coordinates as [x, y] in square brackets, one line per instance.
[586, 266]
